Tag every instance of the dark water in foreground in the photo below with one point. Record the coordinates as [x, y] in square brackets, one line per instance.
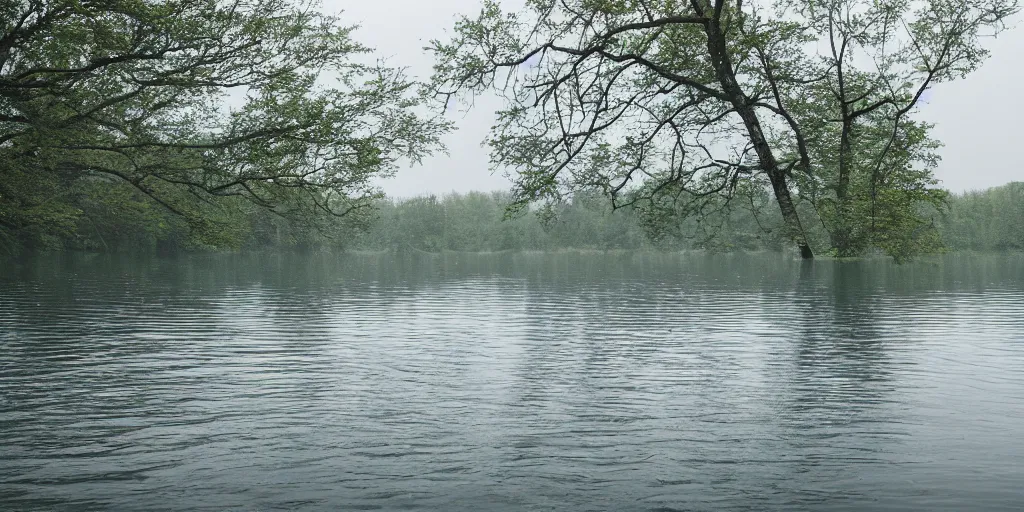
[511, 382]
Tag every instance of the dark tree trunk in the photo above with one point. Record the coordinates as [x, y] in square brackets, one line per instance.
[841, 232]
[727, 78]
[789, 214]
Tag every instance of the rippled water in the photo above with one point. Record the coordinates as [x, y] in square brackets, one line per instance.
[561, 382]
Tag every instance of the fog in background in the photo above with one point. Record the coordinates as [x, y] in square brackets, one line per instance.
[976, 118]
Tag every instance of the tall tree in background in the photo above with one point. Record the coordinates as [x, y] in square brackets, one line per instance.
[648, 99]
[139, 93]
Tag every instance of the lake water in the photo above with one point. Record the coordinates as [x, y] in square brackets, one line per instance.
[562, 382]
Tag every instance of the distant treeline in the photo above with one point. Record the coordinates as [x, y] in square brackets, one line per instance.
[989, 220]
[112, 220]
[985, 220]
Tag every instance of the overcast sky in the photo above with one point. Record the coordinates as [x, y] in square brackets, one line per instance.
[976, 118]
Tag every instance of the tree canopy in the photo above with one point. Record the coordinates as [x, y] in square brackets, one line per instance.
[678, 106]
[198, 106]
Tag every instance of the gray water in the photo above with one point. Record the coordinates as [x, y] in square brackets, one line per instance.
[565, 382]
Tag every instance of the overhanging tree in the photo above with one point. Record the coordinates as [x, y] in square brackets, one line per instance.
[647, 98]
[190, 101]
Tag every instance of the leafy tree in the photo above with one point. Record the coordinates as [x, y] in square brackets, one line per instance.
[660, 101]
[852, 106]
[139, 93]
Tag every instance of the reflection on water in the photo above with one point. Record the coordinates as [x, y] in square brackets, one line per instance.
[511, 382]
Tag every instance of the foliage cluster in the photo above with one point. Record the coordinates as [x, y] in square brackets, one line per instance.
[698, 102]
[113, 112]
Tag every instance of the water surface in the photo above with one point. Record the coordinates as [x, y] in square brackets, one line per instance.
[531, 382]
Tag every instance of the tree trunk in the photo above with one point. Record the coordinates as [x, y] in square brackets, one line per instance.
[789, 215]
[727, 78]
[841, 232]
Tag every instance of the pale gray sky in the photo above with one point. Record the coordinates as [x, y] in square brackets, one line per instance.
[976, 118]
